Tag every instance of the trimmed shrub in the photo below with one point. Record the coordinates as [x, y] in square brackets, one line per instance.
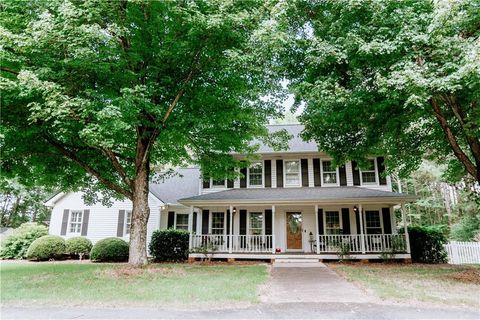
[169, 245]
[16, 245]
[78, 246]
[110, 250]
[46, 248]
[427, 244]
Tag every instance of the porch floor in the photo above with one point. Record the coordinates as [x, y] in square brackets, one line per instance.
[292, 255]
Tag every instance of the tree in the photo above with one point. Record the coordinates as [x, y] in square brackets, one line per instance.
[96, 93]
[399, 78]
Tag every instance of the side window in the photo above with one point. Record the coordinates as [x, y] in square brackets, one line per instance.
[128, 221]
[76, 221]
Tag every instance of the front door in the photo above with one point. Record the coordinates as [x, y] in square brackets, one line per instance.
[294, 231]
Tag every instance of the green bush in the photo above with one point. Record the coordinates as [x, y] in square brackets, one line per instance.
[169, 245]
[46, 248]
[78, 246]
[16, 245]
[427, 244]
[110, 250]
[466, 229]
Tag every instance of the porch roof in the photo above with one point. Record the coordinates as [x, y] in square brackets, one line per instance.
[333, 195]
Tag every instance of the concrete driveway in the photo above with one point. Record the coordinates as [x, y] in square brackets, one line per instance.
[310, 284]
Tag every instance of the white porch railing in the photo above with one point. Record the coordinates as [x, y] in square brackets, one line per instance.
[240, 243]
[353, 242]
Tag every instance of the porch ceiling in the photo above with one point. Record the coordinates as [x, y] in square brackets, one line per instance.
[317, 195]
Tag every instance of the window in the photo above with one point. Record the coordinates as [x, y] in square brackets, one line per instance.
[373, 222]
[128, 222]
[256, 223]
[182, 221]
[292, 173]
[218, 219]
[329, 173]
[332, 222]
[76, 221]
[218, 183]
[368, 175]
[255, 174]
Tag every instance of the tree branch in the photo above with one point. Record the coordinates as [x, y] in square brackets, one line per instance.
[6, 69]
[457, 150]
[72, 156]
[118, 167]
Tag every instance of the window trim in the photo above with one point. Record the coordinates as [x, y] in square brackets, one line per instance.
[212, 186]
[210, 222]
[340, 219]
[337, 171]
[263, 222]
[365, 220]
[375, 169]
[285, 184]
[262, 162]
[70, 221]
[175, 220]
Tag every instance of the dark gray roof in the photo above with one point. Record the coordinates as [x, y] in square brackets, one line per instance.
[185, 184]
[298, 194]
[296, 143]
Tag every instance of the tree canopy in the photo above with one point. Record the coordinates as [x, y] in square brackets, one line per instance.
[95, 93]
[398, 78]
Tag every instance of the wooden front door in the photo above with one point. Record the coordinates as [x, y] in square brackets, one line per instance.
[294, 230]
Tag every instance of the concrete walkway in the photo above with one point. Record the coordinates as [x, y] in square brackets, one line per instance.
[314, 284]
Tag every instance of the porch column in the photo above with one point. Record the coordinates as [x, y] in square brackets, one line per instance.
[273, 229]
[362, 236]
[404, 219]
[190, 227]
[317, 234]
[230, 244]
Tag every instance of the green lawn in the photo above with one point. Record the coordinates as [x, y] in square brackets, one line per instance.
[109, 284]
[431, 284]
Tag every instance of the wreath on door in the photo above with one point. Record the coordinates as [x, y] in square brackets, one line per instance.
[293, 223]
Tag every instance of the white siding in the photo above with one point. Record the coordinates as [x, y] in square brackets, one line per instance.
[103, 220]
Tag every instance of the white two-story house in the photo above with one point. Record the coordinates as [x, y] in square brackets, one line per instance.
[288, 203]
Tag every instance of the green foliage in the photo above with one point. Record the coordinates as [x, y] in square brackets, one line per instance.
[388, 77]
[16, 245]
[427, 244]
[110, 250]
[46, 248]
[78, 246]
[466, 229]
[169, 245]
[343, 251]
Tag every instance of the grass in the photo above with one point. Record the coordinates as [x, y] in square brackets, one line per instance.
[110, 284]
[430, 284]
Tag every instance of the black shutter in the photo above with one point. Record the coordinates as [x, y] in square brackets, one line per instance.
[205, 214]
[279, 173]
[86, 217]
[243, 179]
[230, 181]
[357, 219]
[268, 173]
[171, 219]
[343, 175]
[243, 222]
[320, 221]
[346, 220]
[194, 222]
[317, 181]
[356, 174]
[120, 222]
[381, 170]
[206, 182]
[268, 222]
[304, 168]
[64, 222]
[387, 222]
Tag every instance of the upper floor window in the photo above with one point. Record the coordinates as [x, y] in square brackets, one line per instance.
[373, 222]
[256, 223]
[128, 222]
[218, 183]
[255, 174]
[329, 173]
[292, 173]
[181, 222]
[368, 175]
[332, 222]
[76, 221]
[218, 222]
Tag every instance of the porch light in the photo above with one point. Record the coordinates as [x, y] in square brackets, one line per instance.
[234, 210]
[355, 209]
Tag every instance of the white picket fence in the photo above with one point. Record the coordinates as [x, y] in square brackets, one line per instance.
[463, 252]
